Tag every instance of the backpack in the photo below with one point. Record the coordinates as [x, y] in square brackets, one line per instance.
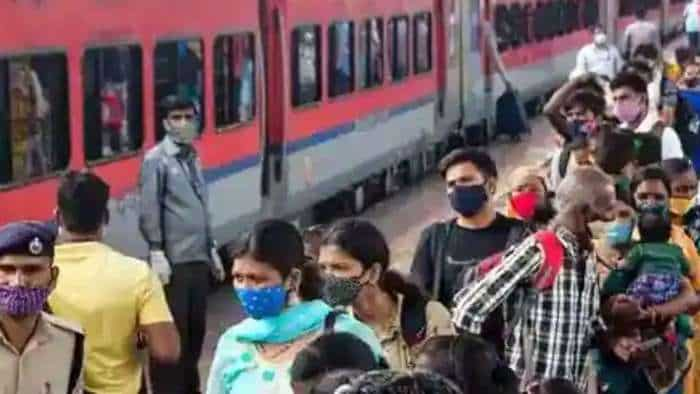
[438, 250]
[553, 261]
[687, 122]
[648, 146]
[544, 280]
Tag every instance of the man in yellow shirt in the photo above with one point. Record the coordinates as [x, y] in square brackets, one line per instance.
[113, 297]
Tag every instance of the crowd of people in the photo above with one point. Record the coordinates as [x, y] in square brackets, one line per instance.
[585, 282]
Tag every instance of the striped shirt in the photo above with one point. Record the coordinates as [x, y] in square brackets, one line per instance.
[556, 326]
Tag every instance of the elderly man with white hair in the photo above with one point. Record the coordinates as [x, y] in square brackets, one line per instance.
[551, 337]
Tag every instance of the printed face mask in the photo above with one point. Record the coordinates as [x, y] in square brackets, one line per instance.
[341, 291]
[20, 301]
[263, 302]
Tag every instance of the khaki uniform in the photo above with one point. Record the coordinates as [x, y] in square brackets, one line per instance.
[52, 361]
[399, 355]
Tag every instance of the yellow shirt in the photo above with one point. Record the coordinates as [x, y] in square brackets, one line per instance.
[111, 296]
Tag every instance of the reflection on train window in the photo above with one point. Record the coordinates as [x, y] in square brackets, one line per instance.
[112, 101]
[178, 71]
[340, 58]
[306, 65]
[591, 13]
[371, 53]
[573, 23]
[422, 53]
[398, 47]
[34, 127]
[518, 21]
[234, 79]
[502, 27]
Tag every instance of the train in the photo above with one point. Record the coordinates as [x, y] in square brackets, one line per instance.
[301, 101]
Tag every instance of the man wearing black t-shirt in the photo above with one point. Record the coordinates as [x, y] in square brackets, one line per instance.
[447, 249]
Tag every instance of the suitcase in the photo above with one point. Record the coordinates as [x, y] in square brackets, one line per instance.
[511, 118]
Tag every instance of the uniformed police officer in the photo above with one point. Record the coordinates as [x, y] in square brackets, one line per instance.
[39, 354]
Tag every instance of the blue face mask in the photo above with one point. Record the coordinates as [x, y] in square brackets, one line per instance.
[620, 233]
[468, 200]
[263, 302]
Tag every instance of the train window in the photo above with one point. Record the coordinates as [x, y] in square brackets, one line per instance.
[34, 126]
[422, 45]
[234, 79]
[341, 58]
[572, 16]
[502, 27]
[178, 71]
[518, 25]
[398, 47]
[306, 65]
[591, 13]
[370, 51]
[112, 112]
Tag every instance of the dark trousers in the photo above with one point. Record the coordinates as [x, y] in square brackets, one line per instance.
[187, 298]
[694, 41]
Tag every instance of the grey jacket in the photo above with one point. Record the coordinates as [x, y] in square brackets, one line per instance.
[174, 208]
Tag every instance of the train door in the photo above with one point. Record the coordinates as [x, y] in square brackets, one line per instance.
[449, 45]
[274, 172]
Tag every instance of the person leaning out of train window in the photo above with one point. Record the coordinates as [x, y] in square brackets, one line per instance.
[447, 249]
[529, 198]
[355, 262]
[576, 108]
[281, 294]
[600, 57]
[632, 109]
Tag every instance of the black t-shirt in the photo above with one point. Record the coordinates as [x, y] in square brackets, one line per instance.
[465, 248]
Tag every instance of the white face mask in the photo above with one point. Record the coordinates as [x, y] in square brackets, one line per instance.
[183, 134]
[600, 39]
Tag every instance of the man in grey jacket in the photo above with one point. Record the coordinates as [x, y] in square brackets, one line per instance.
[175, 221]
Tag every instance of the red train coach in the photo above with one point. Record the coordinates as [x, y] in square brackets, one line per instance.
[298, 99]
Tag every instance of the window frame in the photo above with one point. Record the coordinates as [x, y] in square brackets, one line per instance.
[416, 19]
[140, 149]
[394, 37]
[204, 104]
[294, 91]
[53, 174]
[329, 64]
[256, 59]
